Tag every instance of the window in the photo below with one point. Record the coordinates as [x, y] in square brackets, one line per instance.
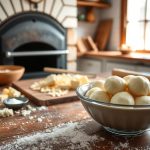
[135, 24]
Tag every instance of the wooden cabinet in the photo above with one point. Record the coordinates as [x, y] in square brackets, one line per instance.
[111, 65]
[143, 68]
[90, 5]
[89, 65]
[106, 65]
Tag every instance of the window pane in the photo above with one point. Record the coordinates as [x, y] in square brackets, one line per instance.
[135, 35]
[136, 10]
[148, 10]
[147, 40]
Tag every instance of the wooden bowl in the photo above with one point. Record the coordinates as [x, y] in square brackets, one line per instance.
[10, 73]
[125, 51]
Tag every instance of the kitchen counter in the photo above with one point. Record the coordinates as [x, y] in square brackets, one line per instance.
[138, 57]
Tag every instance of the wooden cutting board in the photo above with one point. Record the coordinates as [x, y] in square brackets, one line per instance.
[42, 98]
[103, 33]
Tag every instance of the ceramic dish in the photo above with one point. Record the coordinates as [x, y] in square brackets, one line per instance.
[115, 118]
[15, 102]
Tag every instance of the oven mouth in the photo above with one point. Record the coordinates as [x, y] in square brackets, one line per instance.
[33, 40]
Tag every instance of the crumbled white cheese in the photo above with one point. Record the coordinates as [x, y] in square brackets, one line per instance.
[13, 92]
[25, 112]
[59, 85]
[39, 119]
[5, 112]
[29, 107]
[31, 117]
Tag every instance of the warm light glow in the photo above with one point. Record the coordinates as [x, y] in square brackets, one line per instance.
[125, 47]
[138, 25]
[135, 35]
[147, 40]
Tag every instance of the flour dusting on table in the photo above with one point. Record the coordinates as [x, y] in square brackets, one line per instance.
[69, 136]
[72, 133]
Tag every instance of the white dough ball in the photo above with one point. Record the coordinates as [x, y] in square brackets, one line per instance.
[142, 100]
[128, 78]
[123, 98]
[90, 91]
[98, 83]
[101, 96]
[114, 84]
[139, 86]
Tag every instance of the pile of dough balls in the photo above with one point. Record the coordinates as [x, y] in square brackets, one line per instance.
[129, 90]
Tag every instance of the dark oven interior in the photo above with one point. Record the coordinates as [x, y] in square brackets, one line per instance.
[33, 40]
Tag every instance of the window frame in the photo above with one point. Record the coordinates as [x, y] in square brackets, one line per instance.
[123, 22]
[123, 26]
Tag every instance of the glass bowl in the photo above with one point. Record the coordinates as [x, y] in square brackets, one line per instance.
[115, 118]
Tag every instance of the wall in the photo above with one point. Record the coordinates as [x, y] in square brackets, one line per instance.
[57, 9]
[113, 12]
[85, 28]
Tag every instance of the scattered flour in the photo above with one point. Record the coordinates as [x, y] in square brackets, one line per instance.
[29, 109]
[39, 119]
[67, 136]
[122, 146]
[25, 112]
[72, 133]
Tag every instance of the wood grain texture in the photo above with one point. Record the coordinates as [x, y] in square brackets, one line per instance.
[81, 47]
[12, 128]
[91, 44]
[123, 22]
[56, 114]
[97, 4]
[122, 73]
[103, 33]
[42, 98]
[58, 70]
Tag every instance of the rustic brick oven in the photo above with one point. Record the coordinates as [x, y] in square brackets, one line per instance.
[34, 33]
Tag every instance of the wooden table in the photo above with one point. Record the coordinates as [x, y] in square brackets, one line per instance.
[63, 126]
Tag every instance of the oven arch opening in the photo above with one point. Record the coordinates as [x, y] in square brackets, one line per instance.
[33, 37]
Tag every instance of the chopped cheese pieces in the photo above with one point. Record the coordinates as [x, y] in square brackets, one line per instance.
[11, 92]
[7, 93]
[3, 97]
[58, 85]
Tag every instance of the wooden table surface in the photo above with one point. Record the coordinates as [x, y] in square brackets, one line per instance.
[63, 126]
